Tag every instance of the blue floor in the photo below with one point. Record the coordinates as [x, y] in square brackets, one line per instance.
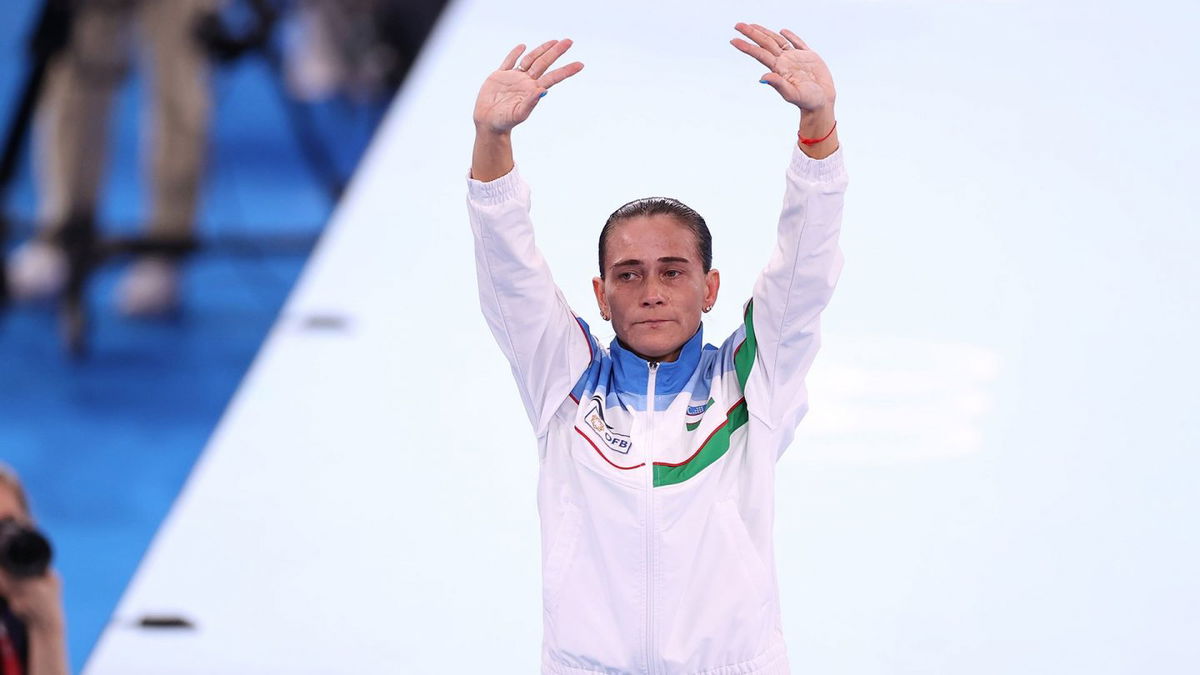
[104, 444]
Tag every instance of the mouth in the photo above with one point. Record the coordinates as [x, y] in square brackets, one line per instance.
[652, 323]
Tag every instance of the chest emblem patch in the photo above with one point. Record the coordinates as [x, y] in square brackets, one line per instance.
[695, 414]
[617, 442]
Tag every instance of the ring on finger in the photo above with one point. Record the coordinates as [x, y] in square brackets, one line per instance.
[521, 68]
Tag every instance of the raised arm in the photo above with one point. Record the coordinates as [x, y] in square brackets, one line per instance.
[507, 98]
[801, 78]
[799, 278]
[547, 347]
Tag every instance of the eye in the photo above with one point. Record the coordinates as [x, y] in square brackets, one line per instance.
[626, 276]
[671, 274]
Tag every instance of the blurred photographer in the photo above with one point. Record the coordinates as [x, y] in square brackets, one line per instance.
[32, 623]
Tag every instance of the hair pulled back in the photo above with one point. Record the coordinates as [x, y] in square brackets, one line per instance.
[662, 206]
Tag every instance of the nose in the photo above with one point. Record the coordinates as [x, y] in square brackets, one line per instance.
[653, 294]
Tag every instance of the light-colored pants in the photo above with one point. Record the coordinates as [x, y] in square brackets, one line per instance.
[74, 112]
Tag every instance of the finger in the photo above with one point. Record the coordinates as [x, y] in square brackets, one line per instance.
[16, 605]
[760, 38]
[780, 85]
[794, 39]
[546, 60]
[528, 105]
[527, 62]
[511, 60]
[778, 39]
[559, 74]
[761, 55]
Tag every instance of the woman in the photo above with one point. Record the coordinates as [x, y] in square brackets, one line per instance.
[32, 625]
[658, 452]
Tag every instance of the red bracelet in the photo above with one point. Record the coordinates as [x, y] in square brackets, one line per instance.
[814, 141]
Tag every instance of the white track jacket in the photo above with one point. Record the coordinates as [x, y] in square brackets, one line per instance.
[656, 488]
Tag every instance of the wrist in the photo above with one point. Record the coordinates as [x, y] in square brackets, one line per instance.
[817, 122]
[49, 627]
[492, 156]
[818, 135]
[486, 132]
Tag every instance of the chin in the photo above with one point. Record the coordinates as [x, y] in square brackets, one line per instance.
[659, 347]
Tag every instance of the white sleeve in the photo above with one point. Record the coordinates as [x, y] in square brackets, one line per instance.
[794, 288]
[547, 347]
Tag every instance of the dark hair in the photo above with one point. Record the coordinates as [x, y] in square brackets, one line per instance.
[655, 206]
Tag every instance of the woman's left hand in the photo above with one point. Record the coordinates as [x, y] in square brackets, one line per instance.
[797, 72]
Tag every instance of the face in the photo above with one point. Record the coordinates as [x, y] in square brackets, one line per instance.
[654, 286]
[10, 506]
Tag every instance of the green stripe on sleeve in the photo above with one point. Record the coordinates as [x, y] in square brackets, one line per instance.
[743, 356]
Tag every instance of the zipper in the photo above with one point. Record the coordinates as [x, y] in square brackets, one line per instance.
[650, 520]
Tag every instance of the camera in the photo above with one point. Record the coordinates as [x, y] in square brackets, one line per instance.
[24, 552]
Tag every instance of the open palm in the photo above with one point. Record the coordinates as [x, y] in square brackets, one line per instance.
[797, 73]
[509, 95]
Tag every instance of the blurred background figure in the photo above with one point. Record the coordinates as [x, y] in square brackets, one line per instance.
[356, 48]
[32, 622]
[73, 139]
[348, 51]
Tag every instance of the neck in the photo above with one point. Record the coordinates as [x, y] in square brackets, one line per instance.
[665, 358]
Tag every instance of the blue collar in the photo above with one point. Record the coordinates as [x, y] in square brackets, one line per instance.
[633, 372]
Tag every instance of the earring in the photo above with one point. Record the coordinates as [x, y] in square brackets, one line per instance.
[604, 315]
[709, 308]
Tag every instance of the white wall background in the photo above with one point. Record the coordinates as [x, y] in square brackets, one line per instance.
[999, 471]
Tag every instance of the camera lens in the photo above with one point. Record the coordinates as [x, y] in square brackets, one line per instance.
[24, 552]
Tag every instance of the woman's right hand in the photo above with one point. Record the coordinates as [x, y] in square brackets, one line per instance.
[509, 95]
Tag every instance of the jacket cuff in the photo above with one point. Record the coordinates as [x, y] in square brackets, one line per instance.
[496, 191]
[817, 170]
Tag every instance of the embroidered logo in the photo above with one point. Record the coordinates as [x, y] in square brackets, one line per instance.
[695, 414]
[617, 442]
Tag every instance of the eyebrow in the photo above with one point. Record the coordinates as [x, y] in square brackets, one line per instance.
[635, 263]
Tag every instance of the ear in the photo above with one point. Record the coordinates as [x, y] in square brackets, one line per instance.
[712, 283]
[598, 289]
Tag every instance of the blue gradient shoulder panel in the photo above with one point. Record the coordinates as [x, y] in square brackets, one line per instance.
[621, 377]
